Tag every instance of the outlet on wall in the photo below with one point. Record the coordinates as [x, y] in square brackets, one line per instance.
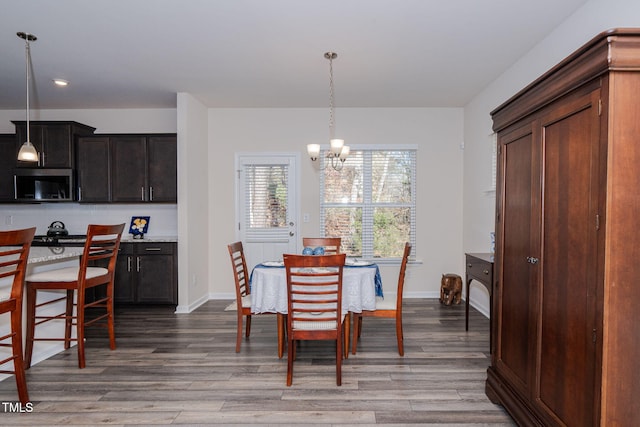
[8, 220]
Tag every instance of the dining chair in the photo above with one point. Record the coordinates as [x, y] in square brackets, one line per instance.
[331, 245]
[14, 254]
[100, 248]
[388, 307]
[243, 297]
[314, 305]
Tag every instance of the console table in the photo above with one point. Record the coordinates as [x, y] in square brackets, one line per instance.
[479, 266]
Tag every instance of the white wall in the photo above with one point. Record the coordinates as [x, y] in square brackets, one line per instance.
[436, 132]
[193, 204]
[588, 21]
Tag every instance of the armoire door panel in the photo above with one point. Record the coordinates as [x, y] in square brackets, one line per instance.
[566, 348]
[515, 328]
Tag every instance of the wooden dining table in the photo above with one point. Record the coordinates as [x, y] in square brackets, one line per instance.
[361, 283]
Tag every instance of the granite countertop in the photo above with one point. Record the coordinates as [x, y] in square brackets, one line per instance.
[41, 254]
[128, 238]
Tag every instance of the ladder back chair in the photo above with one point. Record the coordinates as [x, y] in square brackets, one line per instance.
[331, 245]
[314, 305]
[390, 308]
[243, 297]
[14, 255]
[100, 248]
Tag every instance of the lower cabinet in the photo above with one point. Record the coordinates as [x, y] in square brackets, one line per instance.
[147, 273]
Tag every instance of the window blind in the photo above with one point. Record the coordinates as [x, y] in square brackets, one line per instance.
[371, 202]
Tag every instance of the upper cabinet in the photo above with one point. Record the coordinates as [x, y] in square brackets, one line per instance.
[54, 141]
[129, 165]
[162, 170]
[93, 169]
[131, 168]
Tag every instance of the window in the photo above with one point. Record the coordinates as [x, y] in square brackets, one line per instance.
[371, 202]
[266, 196]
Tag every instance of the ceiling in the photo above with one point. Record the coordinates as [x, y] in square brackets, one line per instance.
[266, 53]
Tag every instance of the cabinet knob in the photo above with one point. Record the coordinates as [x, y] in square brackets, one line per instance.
[486, 272]
[532, 260]
[469, 265]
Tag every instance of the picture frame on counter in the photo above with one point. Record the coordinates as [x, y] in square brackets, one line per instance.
[139, 226]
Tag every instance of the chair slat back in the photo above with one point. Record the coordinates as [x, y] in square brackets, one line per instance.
[331, 245]
[14, 254]
[103, 243]
[314, 291]
[239, 266]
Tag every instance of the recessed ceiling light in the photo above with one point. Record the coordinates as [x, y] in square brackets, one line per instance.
[60, 82]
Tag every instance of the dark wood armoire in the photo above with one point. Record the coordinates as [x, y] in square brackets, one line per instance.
[566, 301]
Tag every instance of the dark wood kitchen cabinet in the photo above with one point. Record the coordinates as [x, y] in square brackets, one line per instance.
[147, 273]
[566, 340]
[93, 169]
[54, 141]
[127, 168]
[144, 168]
[8, 156]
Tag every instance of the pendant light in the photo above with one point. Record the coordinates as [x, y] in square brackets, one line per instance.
[338, 152]
[28, 152]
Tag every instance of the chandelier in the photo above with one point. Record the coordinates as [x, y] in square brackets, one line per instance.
[28, 152]
[338, 152]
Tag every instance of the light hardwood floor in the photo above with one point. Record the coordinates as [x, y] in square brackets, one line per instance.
[182, 369]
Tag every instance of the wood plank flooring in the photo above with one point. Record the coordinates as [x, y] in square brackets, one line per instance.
[182, 369]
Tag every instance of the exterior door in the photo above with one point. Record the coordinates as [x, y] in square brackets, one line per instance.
[267, 203]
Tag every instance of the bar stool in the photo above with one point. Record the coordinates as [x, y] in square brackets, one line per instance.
[14, 253]
[100, 248]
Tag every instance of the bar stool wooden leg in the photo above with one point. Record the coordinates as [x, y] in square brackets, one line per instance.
[31, 326]
[68, 320]
[80, 328]
[18, 362]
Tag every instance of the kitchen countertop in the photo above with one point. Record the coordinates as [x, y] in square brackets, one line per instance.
[149, 239]
[42, 254]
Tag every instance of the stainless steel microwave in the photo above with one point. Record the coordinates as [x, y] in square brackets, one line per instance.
[43, 185]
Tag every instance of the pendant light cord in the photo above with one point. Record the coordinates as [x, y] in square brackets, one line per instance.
[331, 118]
[28, 62]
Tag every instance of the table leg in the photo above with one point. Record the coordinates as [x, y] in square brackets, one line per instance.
[280, 320]
[466, 304]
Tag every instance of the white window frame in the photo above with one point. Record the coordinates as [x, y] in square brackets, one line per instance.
[367, 206]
